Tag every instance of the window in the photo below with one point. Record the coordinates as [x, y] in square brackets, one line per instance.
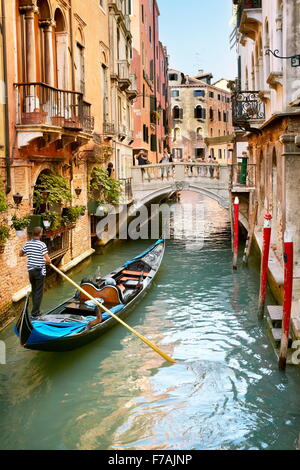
[219, 97]
[177, 113]
[176, 134]
[224, 116]
[220, 154]
[175, 93]
[150, 34]
[200, 113]
[151, 70]
[199, 153]
[143, 14]
[198, 93]
[173, 77]
[178, 153]
[211, 94]
[145, 133]
[211, 114]
[153, 143]
[219, 115]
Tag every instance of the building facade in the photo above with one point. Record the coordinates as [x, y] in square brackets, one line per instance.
[266, 105]
[57, 54]
[201, 117]
[150, 67]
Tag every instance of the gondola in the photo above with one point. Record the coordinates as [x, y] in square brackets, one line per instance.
[71, 325]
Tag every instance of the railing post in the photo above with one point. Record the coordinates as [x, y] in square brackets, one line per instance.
[137, 176]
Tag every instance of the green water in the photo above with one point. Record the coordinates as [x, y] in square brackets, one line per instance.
[225, 392]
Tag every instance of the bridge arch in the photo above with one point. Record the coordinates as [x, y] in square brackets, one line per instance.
[154, 194]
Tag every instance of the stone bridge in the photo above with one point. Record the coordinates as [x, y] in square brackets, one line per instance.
[149, 182]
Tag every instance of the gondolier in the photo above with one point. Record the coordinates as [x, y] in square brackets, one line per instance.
[37, 258]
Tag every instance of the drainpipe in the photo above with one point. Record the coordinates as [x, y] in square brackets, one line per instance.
[155, 78]
[6, 114]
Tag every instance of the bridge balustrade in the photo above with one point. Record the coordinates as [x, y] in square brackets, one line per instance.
[176, 172]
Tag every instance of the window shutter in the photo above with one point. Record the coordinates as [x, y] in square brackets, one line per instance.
[153, 143]
[180, 113]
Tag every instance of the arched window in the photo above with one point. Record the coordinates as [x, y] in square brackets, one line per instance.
[199, 133]
[176, 134]
[200, 113]
[61, 51]
[177, 113]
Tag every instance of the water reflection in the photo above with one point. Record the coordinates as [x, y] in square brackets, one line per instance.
[225, 391]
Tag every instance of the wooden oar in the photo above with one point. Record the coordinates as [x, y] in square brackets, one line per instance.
[145, 340]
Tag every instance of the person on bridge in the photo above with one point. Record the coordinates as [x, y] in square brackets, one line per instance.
[142, 158]
[37, 258]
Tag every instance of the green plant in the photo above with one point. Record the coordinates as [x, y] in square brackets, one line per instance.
[3, 203]
[20, 224]
[4, 235]
[103, 188]
[72, 214]
[58, 190]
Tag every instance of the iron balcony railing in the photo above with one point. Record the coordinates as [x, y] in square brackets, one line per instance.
[246, 5]
[38, 103]
[247, 107]
[108, 128]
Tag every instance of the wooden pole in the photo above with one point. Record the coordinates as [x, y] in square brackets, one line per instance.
[264, 265]
[236, 232]
[288, 296]
[252, 225]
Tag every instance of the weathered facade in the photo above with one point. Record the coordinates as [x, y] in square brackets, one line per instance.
[201, 117]
[150, 67]
[57, 52]
[266, 106]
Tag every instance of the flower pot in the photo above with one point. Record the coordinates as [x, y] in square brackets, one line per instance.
[47, 224]
[20, 233]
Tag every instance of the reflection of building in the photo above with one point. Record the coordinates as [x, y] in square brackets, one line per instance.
[59, 107]
[149, 65]
[201, 116]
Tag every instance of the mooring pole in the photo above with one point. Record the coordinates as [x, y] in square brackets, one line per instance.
[288, 296]
[264, 265]
[236, 232]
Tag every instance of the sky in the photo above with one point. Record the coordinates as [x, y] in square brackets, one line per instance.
[196, 33]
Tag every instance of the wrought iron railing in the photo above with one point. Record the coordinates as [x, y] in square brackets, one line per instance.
[39, 103]
[247, 106]
[108, 128]
[58, 244]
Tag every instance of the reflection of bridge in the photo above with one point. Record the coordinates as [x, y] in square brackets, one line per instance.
[215, 181]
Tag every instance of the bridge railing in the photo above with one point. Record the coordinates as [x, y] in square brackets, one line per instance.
[178, 172]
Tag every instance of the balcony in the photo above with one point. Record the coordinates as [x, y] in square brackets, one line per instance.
[247, 109]
[132, 91]
[108, 129]
[118, 7]
[40, 106]
[249, 17]
[123, 74]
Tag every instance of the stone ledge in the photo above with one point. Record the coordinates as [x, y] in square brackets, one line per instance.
[21, 294]
[78, 260]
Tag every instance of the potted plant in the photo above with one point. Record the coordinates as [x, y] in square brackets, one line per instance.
[4, 236]
[20, 224]
[49, 219]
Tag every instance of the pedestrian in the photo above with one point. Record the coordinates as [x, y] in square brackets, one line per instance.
[37, 258]
[164, 161]
[110, 170]
[211, 168]
[142, 158]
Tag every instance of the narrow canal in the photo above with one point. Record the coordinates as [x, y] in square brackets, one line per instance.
[225, 392]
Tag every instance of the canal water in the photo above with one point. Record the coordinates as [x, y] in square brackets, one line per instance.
[225, 392]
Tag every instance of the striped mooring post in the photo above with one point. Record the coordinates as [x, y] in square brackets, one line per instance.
[288, 296]
[264, 265]
[236, 232]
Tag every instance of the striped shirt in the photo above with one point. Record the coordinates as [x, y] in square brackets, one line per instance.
[35, 251]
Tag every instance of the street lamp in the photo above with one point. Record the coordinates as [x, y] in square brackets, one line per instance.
[18, 198]
[78, 191]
